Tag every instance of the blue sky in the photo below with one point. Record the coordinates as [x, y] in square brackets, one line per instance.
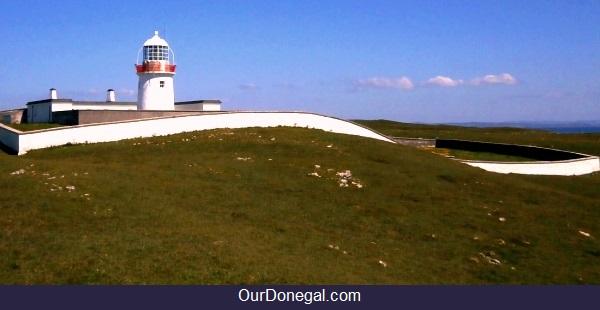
[410, 61]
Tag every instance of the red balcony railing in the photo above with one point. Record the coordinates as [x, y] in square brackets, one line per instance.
[155, 67]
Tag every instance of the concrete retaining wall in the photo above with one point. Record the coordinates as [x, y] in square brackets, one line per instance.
[416, 142]
[551, 161]
[564, 167]
[527, 151]
[21, 142]
[106, 132]
[9, 139]
[14, 116]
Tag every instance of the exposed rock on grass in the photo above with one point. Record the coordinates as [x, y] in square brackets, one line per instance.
[345, 177]
[585, 234]
[488, 257]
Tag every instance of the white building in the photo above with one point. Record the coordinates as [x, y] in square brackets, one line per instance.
[155, 89]
[155, 86]
[41, 111]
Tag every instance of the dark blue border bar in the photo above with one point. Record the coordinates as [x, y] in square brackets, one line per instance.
[228, 297]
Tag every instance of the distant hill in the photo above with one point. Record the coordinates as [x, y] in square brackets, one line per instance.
[590, 126]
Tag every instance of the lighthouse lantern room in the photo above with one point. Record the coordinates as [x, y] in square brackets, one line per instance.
[155, 86]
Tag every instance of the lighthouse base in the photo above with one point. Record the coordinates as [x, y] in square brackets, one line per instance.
[155, 92]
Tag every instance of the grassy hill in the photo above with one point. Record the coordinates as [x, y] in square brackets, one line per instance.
[269, 206]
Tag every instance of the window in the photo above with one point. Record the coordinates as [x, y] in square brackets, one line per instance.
[162, 84]
[156, 52]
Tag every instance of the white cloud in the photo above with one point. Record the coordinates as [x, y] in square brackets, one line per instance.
[382, 83]
[248, 86]
[504, 78]
[444, 81]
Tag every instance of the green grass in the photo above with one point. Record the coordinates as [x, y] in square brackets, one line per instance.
[239, 207]
[33, 126]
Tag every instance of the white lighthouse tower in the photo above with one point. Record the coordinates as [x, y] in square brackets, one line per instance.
[155, 86]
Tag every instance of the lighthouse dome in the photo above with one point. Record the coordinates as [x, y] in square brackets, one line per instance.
[157, 49]
[156, 40]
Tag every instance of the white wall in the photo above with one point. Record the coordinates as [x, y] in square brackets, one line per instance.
[171, 125]
[563, 167]
[164, 126]
[62, 106]
[211, 107]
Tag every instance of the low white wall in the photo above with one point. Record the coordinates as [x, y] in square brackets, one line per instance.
[564, 167]
[164, 126]
[200, 106]
[9, 137]
[211, 107]
[106, 132]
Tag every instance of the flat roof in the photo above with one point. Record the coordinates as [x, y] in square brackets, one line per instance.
[198, 101]
[105, 102]
[115, 102]
[49, 100]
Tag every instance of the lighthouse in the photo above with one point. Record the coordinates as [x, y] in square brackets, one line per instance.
[155, 86]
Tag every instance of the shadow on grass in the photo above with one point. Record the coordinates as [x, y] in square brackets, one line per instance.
[7, 149]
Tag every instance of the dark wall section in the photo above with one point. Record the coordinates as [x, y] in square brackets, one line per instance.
[17, 116]
[70, 117]
[533, 152]
[82, 117]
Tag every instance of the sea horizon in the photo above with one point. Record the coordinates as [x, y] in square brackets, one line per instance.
[592, 129]
[588, 126]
